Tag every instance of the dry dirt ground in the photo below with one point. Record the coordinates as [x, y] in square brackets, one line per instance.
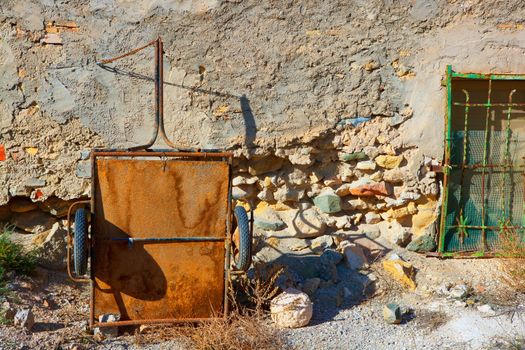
[432, 318]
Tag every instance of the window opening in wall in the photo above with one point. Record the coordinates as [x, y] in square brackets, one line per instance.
[484, 161]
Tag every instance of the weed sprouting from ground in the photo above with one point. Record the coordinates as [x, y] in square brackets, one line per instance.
[13, 257]
[253, 295]
[512, 252]
[431, 319]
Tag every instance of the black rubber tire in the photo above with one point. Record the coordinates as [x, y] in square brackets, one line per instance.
[80, 246]
[245, 239]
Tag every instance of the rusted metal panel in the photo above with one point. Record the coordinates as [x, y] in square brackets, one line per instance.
[159, 198]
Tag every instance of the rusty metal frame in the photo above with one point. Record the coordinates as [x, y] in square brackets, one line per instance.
[146, 151]
[227, 239]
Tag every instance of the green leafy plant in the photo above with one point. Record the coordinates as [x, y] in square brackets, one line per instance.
[13, 257]
[462, 230]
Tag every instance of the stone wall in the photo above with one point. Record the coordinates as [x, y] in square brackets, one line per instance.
[338, 104]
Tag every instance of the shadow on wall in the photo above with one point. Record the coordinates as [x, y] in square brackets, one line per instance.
[250, 126]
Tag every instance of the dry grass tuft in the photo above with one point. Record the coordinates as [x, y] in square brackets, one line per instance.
[253, 295]
[236, 332]
[512, 252]
[431, 319]
[386, 285]
[246, 327]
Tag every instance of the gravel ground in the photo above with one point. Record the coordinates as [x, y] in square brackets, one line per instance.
[434, 324]
[431, 321]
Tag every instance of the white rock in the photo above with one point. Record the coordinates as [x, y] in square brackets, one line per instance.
[366, 165]
[286, 194]
[410, 196]
[459, 292]
[291, 309]
[302, 157]
[319, 244]
[354, 255]
[395, 256]
[24, 318]
[355, 204]
[372, 217]
[342, 222]
[486, 309]
[303, 223]
[394, 233]
[266, 195]
[393, 203]
[268, 219]
[243, 192]
[242, 180]
[107, 332]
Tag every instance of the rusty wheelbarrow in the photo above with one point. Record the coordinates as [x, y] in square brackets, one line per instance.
[158, 231]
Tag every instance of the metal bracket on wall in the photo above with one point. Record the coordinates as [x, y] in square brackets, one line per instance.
[159, 94]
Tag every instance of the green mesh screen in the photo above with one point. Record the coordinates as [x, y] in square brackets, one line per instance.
[481, 198]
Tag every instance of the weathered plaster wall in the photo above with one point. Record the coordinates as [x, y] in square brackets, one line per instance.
[266, 79]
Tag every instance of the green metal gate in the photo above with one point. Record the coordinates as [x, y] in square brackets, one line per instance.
[483, 165]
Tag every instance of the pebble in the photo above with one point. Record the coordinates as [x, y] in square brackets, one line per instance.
[392, 313]
[24, 318]
[458, 292]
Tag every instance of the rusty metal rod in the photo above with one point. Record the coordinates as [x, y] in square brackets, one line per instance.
[154, 321]
[132, 52]
[159, 96]
[162, 154]
[131, 240]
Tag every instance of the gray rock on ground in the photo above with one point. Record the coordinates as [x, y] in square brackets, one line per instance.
[268, 220]
[392, 313]
[459, 291]
[422, 244]
[310, 285]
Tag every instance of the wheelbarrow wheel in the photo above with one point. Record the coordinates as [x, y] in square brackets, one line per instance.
[244, 257]
[80, 248]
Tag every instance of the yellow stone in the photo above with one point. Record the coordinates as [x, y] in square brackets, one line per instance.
[267, 182]
[221, 110]
[314, 32]
[401, 271]
[382, 139]
[398, 213]
[31, 150]
[388, 161]
[411, 207]
[273, 242]
[281, 206]
[425, 216]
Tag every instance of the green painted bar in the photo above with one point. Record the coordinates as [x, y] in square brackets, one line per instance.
[488, 76]
[441, 245]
